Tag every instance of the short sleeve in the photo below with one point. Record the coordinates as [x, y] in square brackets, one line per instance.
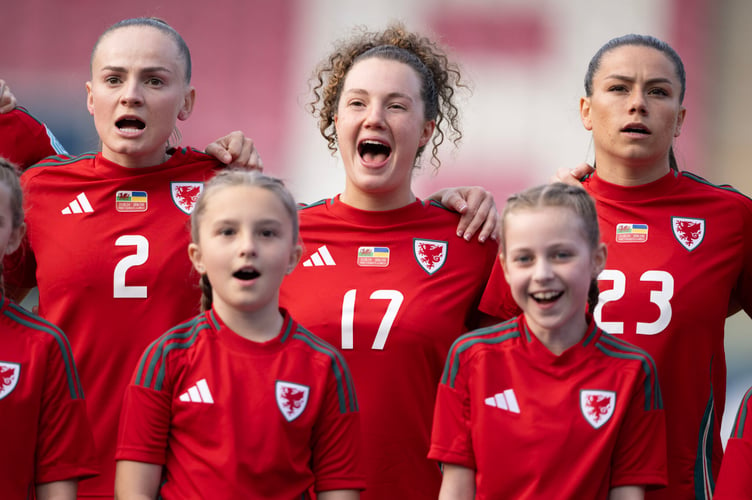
[497, 300]
[336, 452]
[451, 437]
[144, 425]
[639, 456]
[65, 446]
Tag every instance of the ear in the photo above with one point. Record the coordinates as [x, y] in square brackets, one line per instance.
[188, 102]
[599, 259]
[295, 256]
[89, 99]
[680, 121]
[194, 253]
[427, 133]
[14, 240]
[585, 113]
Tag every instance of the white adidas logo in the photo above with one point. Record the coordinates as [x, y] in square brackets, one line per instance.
[198, 393]
[78, 206]
[320, 257]
[505, 401]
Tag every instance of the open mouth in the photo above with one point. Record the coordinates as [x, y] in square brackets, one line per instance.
[246, 274]
[130, 123]
[374, 151]
[546, 297]
[636, 129]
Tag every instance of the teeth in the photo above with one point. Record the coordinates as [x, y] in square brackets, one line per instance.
[546, 295]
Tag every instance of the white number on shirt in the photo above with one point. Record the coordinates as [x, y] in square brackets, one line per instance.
[661, 298]
[120, 289]
[395, 299]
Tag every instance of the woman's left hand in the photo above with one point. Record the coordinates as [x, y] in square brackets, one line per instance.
[478, 210]
[236, 150]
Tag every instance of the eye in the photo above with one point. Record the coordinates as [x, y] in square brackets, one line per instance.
[562, 255]
[522, 259]
[659, 92]
[226, 231]
[398, 106]
[268, 233]
[356, 103]
[154, 82]
[617, 88]
[112, 80]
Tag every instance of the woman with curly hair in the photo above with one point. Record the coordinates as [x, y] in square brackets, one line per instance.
[383, 275]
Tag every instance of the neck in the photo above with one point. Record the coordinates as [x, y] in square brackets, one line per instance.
[128, 160]
[559, 340]
[258, 326]
[630, 173]
[376, 202]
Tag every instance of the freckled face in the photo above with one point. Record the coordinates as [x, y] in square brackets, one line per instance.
[634, 111]
[137, 93]
[380, 125]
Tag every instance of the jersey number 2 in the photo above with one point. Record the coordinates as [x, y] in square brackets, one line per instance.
[395, 299]
[119, 289]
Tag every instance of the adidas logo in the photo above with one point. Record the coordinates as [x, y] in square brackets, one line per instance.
[320, 257]
[505, 401]
[78, 206]
[198, 393]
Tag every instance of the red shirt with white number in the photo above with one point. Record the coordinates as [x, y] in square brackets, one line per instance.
[393, 290]
[107, 247]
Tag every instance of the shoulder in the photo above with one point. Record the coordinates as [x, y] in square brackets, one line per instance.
[50, 342]
[500, 336]
[624, 355]
[57, 164]
[743, 420]
[333, 363]
[174, 343]
[722, 191]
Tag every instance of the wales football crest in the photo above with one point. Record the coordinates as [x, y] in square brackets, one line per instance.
[689, 232]
[291, 399]
[430, 254]
[597, 406]
[185, 195]
[9, 374]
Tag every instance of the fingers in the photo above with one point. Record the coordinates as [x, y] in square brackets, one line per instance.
[7, 99]
[479, 214]
[572, 176]
[236, 150]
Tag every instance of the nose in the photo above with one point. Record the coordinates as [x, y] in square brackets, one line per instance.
[246, 245]
[375, 117]
[131, 94]
[638, 103]
[542, 271]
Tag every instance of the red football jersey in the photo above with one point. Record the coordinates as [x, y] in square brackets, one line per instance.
[679, 252]
[567, 427]
[735, 479]
[24, 140]
[232, 418]
[46, 435]
[107, 247]
[392, 290]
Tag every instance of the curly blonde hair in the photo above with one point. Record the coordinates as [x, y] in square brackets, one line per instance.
[439, 77]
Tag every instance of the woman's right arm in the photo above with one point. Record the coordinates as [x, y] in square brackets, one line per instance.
[137, 480]
[458, 483]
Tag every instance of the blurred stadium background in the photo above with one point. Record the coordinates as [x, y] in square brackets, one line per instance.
[525, 60]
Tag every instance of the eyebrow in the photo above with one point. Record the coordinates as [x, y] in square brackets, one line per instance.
[390, 95]
[632, 79]
[150, 69]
